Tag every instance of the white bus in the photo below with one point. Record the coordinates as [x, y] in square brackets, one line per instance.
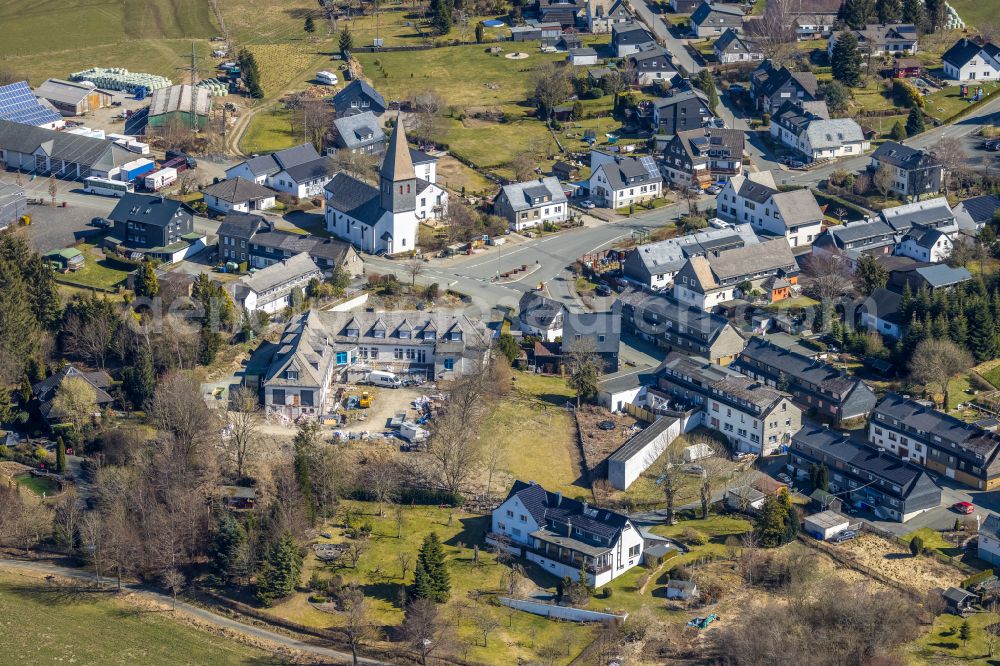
[107, 187]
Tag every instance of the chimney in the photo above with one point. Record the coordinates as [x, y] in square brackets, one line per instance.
[558, 497]
[569, 527]
[585, 506]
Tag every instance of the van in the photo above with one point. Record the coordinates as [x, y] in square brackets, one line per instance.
[327, 78]
[384, 379]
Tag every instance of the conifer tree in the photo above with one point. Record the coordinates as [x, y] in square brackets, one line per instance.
[915, 122]
[60, 455]
[845, 60]
[280, 573]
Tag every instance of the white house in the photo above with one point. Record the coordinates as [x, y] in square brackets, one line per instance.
[385, 218]
[532, 203]
[540, 316]
[969, 61]
[617, 181]
[298, 171]
[925, 244]
[755, 199]
[238, 196]
[562, 535]
[814, 135]
[989, 540]
[270, 289]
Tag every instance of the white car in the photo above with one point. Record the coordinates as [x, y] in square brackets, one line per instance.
[588, 204]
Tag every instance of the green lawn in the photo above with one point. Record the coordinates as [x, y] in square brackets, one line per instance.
[38, 485]
[378, 573]
[538, 433]
[975, 12]
[947, 102]
[98, 272]
[942, 645]
[716, 527]
[268, 132]
[990, 371]
[44, 625]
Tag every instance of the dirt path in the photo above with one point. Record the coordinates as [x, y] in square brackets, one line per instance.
[196, 612]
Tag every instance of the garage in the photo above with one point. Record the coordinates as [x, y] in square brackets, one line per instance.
[826, 524]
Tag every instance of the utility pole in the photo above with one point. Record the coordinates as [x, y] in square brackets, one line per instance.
[194, 80]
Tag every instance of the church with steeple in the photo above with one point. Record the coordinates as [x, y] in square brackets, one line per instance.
[384, 219]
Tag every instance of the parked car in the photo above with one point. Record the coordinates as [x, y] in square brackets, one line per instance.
[796, 164]
[588, 204]
[101, 223]
[846, 535]
[719, 122]
[963, 507]
[714, 189]
[784, 478]
[603, 290]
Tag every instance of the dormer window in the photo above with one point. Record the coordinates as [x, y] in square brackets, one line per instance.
[428, 335]
[378, 333]
[405, 335]
[353, 332]
[456, 335]
[291, 374]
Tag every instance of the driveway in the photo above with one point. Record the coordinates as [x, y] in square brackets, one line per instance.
[196, 612]
[661, 31]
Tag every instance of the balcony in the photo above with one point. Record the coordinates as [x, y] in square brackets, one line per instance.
[549, 555]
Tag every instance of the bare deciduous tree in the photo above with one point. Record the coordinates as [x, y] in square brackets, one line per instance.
[414, 267]
[883, 180]
[664, 465]
[243, 428]
[950, 152]
[359, 627]
[550, 86]
[174, 581]
[936, 362]
[486, 623]
[773, 31]
[405, 563]
[381, 475]
[424, 629]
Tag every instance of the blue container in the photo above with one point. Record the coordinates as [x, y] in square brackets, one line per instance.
[141, 92]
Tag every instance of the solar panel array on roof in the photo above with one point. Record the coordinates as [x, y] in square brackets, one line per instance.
[650, 164]
[18, 104]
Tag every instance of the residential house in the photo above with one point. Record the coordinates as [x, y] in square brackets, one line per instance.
[915, 172]
[298, 171]
[63, 155]
[654, 265]
[814, 136]
[925, 244]
[602, 15]
[597, 333]
[73, 99]
[359, 133]
[19, 105]
[272, 289]
[563, 535]
[862, 475]
[627, 38]
[707, 282]
[565, 170]
[814, 19]
[685, 110]
[46, 390]
[548, 33]
[733, 47]
[532, 203]
[755, 199]
[674, 326]
[564, 13]
[968, 60]
[880, 312]
[711, 19]
[695, 158]
[617, 181]
[753, 417]
[931, 213]
[144, 221]
[770, 87]
[819, 388]
[919, 433]
[881, 39]
[359, 97]
[855, 239]
[13, 204]
[238, 195]
[540, 316]
[385, 219]
[254, 240]
[317, 344]
[582, 56]
[975, 213]
[988, 546]
[651, 66]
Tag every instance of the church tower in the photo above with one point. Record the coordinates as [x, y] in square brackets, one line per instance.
[397, 180]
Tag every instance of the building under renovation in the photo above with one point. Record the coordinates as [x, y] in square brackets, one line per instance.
[189, 105]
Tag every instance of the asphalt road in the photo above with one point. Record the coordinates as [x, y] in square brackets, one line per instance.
[200, 613]
[660, 30]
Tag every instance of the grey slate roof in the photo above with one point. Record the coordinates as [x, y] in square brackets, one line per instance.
[545, 506]
[630, 33]
[314, 170]
[96, 153]
[943, 275]
[669, 255]
[238, 190]
[359, 130]
[797, 207]
[797, 366]
[147, 209]
[732, 42]
[930, 212]
[582, 52]
[280, 273]
[268, 165]
[979, 209]
[355, 198]
[626, 171]
[991, 526]
[884, 304]
[354, 88]
[689, 321]
[914, 415]
[717, 14]
[590, 325]
[45, 390]
[769, 255]
[769, 79]
[240, 225]
[965, 50]
[531, 193]
[538, 311]
[902, 156]
[833, 133]
[840, 446]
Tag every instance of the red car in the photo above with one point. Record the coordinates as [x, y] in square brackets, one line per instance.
[963, 507]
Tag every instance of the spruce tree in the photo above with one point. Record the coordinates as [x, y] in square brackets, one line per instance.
[936, 14]
[346, 42]
[147, 284]
[60, 456]
[480, 33]
[823, 478]
[281, 571]
[19, 330]
[845, 60]
[431, 558]
[309, 26]
[915, 122]
[770, 522]
[139, 380]
[857, 13]
[959, 330]
[898, 132]
[913, 12]
[423, 586]
[982, 333]
[7, 407]
[228, 551]
[889, 11]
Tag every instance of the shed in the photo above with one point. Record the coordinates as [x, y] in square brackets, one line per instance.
[826, 524]
[653, 556]
[67, 259]
[822, 500]
[744, 498]
[959, 601]
[696, 452]
[681, 589]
